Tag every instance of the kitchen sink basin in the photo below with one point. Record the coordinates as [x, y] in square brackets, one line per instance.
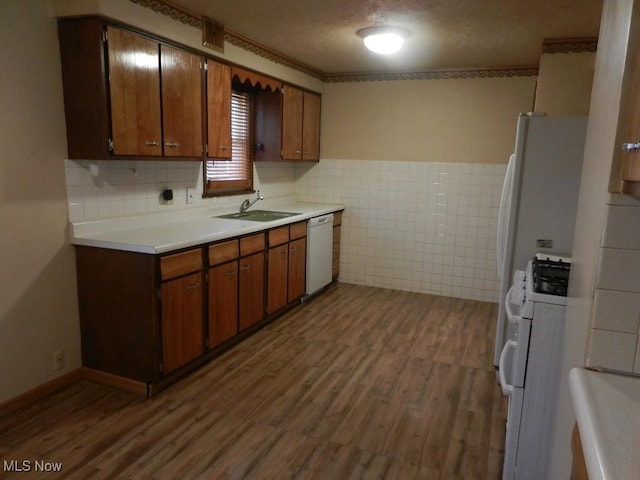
[259, 215]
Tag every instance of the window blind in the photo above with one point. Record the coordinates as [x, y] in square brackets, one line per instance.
[225, 176]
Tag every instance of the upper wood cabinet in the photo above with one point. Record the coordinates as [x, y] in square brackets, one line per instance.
[218, 110]
[311, 127]
[181, 102]
[292, 123]
[127, 94]
[300, 125]
[287, 125]
[134, 86]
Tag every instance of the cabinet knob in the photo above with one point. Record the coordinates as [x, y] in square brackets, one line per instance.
[172, 144]
[629, 147]
[150, 143]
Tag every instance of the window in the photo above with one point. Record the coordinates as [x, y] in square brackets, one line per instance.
[224, 177]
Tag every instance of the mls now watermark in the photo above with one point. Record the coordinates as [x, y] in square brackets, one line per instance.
[31, 466]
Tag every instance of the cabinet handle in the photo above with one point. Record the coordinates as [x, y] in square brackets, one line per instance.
[283, 253]
[193, 286]
[245, 267]
[629, 147]
[172, 144]
[292, 249]
[223, 148]
[150, 143]
[232, 273]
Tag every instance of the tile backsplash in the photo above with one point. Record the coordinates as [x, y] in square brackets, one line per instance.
[99, 190]
[419, 226]
[615, 327]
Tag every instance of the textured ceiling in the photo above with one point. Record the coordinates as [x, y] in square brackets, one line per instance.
[445, 34]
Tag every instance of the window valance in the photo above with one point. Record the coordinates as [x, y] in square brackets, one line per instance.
[257, 80]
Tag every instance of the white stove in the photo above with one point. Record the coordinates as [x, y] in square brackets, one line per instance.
[535, 307]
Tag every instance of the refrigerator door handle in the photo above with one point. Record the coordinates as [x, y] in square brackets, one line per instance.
[507, 389]
[503, 215]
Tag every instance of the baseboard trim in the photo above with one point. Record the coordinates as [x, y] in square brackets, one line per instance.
[38, 393]
[111, 380]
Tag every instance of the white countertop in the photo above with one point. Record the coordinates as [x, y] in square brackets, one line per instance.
[607, 410]
[164, 232]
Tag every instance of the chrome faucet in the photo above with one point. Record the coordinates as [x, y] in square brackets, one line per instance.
[247, 203]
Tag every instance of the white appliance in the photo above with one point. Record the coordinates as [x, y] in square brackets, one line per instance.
[529, 374]
[539, 199]
[319, 252]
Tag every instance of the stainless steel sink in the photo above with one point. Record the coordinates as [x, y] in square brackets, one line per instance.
[259, 215]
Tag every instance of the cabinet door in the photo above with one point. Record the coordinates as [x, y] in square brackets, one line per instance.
[277, 278]
[311, 127]
[223, 303]
[292, 124]
[297, 269]
[181, 103]
[335, 267]
[135, 94]
[251, 290]
[218, 110]
[182, 336]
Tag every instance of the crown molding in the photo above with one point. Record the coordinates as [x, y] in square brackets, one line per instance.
[182, 15]
[570, 45]
[172, 10]
[432, 75]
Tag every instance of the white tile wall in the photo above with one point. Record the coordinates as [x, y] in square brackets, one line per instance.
[615, 333]
[123, 188]
[418, 226]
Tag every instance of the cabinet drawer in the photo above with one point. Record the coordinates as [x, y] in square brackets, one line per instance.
[298, 230]
[278, 236]
[172, 266]
[337, 218]
[223, 252]
[251, 244]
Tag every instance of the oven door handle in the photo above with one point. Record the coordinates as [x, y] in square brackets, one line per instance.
[507, 306]
[507, 389]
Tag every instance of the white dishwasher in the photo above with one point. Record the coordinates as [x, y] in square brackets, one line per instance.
[319, 252]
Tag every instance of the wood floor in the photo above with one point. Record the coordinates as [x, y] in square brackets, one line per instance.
[357, 383]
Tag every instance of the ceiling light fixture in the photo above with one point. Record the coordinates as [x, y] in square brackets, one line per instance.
[383, 40]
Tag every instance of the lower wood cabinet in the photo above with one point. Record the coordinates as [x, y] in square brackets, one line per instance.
[146, 320]
[236, 287]
[181, 306]
[251, 290]
[182, 332]
[278, 262]
[223, 303]
[578, 465]
[286, 272]
[335, 261]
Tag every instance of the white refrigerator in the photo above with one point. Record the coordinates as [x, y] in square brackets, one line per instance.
[539, 199]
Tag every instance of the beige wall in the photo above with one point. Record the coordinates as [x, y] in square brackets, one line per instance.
[564, 83]
[38, 310]
[444, 120]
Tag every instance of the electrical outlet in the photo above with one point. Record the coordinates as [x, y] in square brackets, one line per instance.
[58, 360]
[190, 194]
